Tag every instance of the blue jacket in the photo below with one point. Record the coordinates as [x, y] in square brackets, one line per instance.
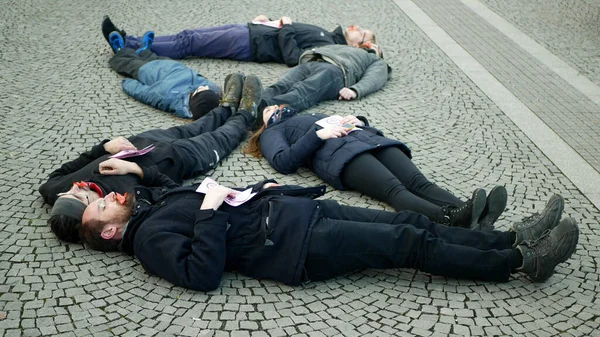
[267, 237]
[166, 85]
[292, 142]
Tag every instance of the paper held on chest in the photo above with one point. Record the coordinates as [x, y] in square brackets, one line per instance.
[335, 121]
[274, 23]
[133, 153]
[235, 200]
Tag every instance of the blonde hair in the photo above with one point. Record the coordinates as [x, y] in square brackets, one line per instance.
[253, 147]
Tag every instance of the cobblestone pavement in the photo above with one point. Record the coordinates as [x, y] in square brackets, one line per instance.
[59, 98]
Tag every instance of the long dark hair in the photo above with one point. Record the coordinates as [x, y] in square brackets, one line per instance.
[253, 147]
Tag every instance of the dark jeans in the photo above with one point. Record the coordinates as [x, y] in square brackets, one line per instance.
[128, 63]
[389, 175]
[347, 239]
[223, 42]
[204, 142]
[306, 85]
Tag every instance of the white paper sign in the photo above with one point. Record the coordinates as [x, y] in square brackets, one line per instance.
[235, 200]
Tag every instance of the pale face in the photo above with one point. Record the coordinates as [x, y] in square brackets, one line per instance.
[200, 89]
[109, 210]
[80, 192]
[268, 112]
[357, 36]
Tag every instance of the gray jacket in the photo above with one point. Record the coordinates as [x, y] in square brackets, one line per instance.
[363, 72]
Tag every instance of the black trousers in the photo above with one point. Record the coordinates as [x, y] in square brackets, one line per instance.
[128, 63]
[347, 239]
[390, 176]
[204, 142]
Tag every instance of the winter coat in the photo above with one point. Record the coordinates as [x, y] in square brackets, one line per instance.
[363, 72]
[267, 237]
[167, 85]
[284, 45]
[292, 142]
[85, 168]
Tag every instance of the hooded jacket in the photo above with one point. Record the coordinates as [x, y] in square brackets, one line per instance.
[167, 85]
[284, 45]
[364, 72]
[266, 237]
[292, 142]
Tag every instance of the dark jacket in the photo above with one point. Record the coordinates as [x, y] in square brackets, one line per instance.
[267, 237]
[284, 45]
[363, 72]
[292, 142]
[85, 168]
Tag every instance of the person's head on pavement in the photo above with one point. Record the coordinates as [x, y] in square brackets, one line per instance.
[65, 217]
[357, 36]
[202, 101]
[104, 221]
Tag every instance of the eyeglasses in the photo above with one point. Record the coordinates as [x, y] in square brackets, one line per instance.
[363, 38]
[81, 196]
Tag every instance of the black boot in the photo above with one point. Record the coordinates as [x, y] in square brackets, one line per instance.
[232, 91]
[494, 206]
[108, 27]
[542, 255]
[467, 214]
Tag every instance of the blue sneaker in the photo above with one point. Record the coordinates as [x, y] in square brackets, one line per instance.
[146, 43]
[116, 41]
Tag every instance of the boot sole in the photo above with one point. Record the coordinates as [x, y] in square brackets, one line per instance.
[478, 206]
[496, 202]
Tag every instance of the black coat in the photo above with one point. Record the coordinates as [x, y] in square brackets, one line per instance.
[85, 168]
[292, 142]
[286, 44]
[267, 237]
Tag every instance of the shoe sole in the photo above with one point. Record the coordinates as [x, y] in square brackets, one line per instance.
[496, 203]
[479, 200]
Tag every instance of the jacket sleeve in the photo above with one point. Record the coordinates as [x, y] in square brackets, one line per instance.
[287, 158]
[85, 158]
[288, 45]
[144, 94]
[154, 178]
[373, 79]
[195, 263]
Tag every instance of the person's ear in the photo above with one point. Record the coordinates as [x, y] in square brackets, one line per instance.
[108, 232]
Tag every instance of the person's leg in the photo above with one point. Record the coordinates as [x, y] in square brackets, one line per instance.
[366, 174]
[331, 209]
[207, 123]
[224, 42]
[204, 151]
[322, 82]
[339, 246]
[127, 62]
[405, 170]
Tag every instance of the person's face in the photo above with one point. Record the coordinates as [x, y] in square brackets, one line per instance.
[79, 191]
[356, 36]
[268, 112]
[114, 209]
[200, 89]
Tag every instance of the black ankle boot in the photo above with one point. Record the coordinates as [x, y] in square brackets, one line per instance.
[467, 214]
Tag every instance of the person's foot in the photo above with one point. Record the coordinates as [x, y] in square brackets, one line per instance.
[251, 95]
[467, 214]
[232, 91]
[108, 27]
[146, 43]
[494, 206]
[542, 255]
[531, 227]
[116, 41]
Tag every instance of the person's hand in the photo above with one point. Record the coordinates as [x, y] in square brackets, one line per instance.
[269, 185]
[347, 94]
[215, 196]
[114, 167]
[332, 132]
[352, 120]
[261, 18]
[118, 144]
[285, 20]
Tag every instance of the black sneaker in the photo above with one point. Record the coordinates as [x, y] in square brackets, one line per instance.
[232, 91]
[494, 206]
[251, 95]
[108, 27]
[555, 246]
[531, 227]
[467, 214]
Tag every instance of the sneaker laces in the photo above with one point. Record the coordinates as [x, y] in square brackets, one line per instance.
[527, 219]
[534, 243]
